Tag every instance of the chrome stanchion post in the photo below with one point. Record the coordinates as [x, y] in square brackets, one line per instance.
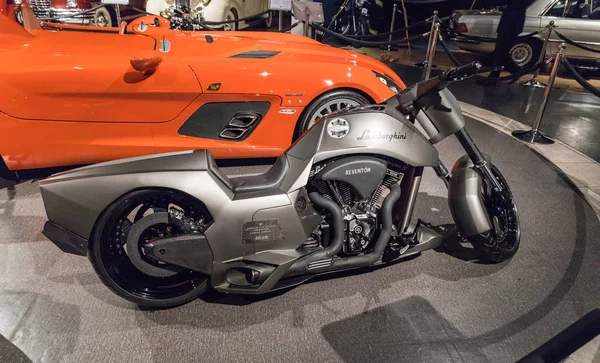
[433, 22]
[535, 135]
[392, 26]
[306, 26]
[280, 20]
[534, 82]
[436, 31]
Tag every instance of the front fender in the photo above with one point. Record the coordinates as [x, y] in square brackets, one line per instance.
[215, 11]
[465, 198]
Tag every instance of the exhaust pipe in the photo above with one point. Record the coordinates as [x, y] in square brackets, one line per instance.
[382, 241]
[301, 266]
[323, 261]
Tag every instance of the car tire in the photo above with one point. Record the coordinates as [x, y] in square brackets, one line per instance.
[268, 22]
[231, 14]
[19, 15]
[105, 17]
[5, 172]
[525, 54]
[326, 103]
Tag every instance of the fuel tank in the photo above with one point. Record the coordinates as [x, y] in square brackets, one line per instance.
[378, 129]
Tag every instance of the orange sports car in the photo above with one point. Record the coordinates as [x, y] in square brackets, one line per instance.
[79, 97]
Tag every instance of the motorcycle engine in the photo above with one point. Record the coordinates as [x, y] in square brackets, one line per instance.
[360, 214]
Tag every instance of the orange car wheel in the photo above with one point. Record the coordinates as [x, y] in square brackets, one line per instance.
[327, 103]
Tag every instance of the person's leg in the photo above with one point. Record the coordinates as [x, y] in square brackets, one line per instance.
[500, 56]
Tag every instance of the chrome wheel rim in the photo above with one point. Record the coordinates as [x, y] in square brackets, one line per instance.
[101, 20]
[521, 54]
[502, 211]
[329, 107]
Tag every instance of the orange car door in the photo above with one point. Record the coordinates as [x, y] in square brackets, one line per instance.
[88, 76]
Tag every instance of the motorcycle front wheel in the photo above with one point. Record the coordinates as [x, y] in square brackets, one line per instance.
[122, 265]
[502, 241]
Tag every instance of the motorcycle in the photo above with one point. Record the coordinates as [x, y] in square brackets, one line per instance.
[160, 229]
[352, 18]
[182, 18]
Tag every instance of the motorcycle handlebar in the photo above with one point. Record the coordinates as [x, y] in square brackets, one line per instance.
[421, 89]
[459, 73]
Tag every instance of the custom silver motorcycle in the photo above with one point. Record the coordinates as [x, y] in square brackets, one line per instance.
[160, 229]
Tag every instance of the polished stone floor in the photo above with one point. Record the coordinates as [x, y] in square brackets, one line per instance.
[572, 117]
[443, 306]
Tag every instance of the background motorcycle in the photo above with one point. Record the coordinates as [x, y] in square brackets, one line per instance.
[160, 229]
[182, 18]
[352, 18]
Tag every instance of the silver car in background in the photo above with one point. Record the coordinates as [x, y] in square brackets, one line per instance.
[578, 20]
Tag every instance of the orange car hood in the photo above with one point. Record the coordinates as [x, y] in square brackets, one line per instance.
[294, 47]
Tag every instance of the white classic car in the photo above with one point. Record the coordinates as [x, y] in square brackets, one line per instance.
[578, 20]
[220, 10]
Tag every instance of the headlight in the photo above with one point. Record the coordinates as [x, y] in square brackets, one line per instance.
[72, 3]
[388, 81]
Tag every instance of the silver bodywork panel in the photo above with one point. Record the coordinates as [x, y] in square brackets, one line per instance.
[377, 129]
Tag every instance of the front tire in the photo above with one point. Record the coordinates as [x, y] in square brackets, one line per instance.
[105, 17]
[160, 285]
[502, 242]
[326, 103]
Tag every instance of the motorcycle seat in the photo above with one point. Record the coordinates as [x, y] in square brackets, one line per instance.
[271, 179]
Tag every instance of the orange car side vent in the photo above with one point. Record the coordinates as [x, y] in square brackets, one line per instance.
[257, 54]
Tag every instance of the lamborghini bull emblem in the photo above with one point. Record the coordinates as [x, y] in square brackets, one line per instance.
[338, 128]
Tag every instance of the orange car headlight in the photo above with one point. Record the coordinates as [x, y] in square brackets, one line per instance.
[388, 81]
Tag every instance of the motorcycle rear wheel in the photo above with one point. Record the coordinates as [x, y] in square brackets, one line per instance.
[502, 242]
[108, 252]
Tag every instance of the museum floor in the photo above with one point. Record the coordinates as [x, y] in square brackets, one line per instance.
[443, 306]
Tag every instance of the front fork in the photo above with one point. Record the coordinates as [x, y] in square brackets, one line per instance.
[476, 157]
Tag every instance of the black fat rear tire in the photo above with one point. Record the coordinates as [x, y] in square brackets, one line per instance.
[309, 112]
[489, 247]
[97, 251]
